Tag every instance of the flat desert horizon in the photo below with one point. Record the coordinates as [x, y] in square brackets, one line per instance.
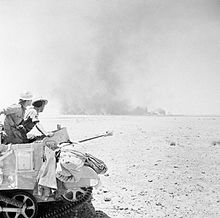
[157, 166]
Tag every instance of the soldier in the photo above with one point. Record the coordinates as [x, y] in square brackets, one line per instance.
[31, 119]
[14, 115]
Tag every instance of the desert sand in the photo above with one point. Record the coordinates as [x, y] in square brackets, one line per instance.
[157, 166]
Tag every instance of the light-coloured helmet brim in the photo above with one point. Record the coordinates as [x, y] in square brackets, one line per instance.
[25, 99]
[27, 96]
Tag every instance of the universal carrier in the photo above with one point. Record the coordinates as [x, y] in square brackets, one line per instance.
[20, 166]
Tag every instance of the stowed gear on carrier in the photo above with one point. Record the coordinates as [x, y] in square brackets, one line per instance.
[46, 171]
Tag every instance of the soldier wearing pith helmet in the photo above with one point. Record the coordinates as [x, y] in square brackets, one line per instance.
[14, 115]
[31, 118]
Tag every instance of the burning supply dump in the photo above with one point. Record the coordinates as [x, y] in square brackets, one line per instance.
[44, 172]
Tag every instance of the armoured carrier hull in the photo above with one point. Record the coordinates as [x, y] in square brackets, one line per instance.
[20, 196]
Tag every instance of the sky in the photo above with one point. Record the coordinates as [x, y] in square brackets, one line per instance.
[111, 56]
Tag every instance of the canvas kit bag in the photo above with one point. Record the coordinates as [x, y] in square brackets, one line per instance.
[89, 160]
[96, 164]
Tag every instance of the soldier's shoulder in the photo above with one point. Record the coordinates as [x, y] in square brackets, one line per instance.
[14, 107]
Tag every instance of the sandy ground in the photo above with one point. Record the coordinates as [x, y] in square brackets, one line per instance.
[157, 166]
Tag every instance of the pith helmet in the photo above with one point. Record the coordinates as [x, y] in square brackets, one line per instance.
[26, 96]
[37, 102]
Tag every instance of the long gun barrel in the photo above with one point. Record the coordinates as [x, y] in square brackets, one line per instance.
[95, 137]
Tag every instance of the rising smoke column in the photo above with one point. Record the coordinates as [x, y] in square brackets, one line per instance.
[106, 78]
[104, 56]
[141, 53]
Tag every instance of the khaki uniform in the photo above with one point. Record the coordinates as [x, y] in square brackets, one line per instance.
[14, 115]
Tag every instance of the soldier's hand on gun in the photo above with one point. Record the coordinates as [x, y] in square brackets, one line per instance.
[20, 127]
[3, 133]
